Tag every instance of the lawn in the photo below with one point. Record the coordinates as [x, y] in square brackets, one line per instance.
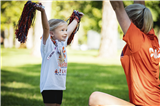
[20, 75]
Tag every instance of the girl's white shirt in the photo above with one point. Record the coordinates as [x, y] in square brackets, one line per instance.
[53, 74]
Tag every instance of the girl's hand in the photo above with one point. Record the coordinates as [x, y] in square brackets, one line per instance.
[39, 7]
[81, 14]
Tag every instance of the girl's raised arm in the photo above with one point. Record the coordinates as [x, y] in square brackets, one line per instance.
[71, 27]
[45, 24]
[76, 16]
[121, 14]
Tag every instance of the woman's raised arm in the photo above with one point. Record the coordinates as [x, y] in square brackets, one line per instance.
[121, 14]
[140, 2]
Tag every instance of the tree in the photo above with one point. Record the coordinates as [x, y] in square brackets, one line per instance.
[154, 6]
[10, 13]
[109, 32]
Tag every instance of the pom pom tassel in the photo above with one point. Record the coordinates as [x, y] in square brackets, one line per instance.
[25, 21]
[75, 15]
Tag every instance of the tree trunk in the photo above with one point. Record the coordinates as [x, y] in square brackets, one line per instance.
[109, 32]
[11, 34]
[74, 43]
[6, 41]
[29, 42]
[38, 27]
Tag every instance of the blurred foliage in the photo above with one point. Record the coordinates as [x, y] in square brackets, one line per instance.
[93, 12]
[92, 18]
[11, 11]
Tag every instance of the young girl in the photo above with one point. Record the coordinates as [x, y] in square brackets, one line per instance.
[54, 56]
[139, 58]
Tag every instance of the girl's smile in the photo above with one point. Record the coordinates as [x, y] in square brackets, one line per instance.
[60, 33]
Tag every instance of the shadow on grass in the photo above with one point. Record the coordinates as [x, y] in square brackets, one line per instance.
[83, 79]
[20, 85]
[13, 100]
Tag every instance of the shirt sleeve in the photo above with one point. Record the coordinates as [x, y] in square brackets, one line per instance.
[45, 48]
[134, 38]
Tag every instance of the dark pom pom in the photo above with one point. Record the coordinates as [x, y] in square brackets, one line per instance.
[25, 21]
[75, 15]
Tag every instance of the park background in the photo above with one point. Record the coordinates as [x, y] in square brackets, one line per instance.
[93, 56]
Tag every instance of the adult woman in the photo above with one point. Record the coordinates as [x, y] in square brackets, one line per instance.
[139, 58]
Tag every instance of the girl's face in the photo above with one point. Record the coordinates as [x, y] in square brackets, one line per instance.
[60, 33]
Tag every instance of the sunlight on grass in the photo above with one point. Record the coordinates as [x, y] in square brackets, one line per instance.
[21, 57]
[22, 95]
[91, 56]
[105, 75]
[105, 86]
[26, 70]
[20, 77]
[15, 84]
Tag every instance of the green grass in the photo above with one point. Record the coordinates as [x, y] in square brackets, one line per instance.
[20, 75]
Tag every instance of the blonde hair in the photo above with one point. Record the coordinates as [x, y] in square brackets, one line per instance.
[54, 23]
[140, 16]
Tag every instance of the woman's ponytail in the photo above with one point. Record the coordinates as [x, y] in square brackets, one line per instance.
[148, 21]
[140, 16]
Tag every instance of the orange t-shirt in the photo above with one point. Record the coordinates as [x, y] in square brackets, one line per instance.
[140, 61]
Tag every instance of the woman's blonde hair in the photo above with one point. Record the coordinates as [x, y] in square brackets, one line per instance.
[140, 16]
[54, 23]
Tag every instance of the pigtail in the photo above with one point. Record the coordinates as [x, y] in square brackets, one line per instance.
[62, 56]
[25, 21]
[75, 15]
